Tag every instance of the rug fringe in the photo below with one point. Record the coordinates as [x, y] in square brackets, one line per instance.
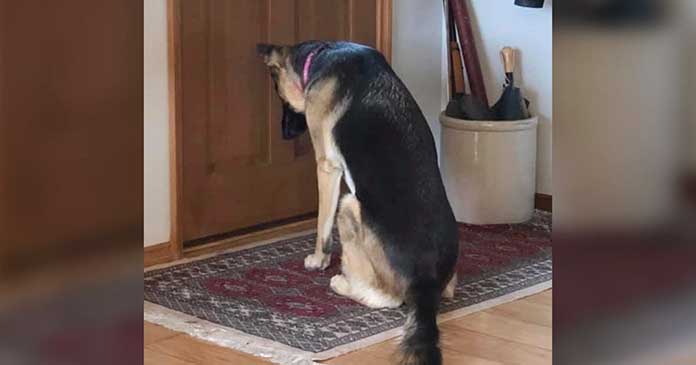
[283, 354]
[275, 352]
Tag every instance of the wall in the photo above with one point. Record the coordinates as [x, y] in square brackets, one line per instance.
[418, 49]
[156, 128]
[529, 31]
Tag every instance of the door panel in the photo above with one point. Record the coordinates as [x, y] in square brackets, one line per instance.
[320, 19]
[237, 171]
[365, 19]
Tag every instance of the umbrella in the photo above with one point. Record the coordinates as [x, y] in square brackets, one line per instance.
[469, 107]
[530, 3]
[511, 105]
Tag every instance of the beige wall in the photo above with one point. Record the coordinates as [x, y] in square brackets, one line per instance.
[156, 128]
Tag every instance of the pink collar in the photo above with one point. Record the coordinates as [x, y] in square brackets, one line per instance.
[308, 64]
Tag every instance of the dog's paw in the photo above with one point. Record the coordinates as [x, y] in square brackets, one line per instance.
[340, 285]
[317, 262]
[448, 293]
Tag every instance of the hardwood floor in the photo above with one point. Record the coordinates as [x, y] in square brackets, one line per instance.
[514, 333]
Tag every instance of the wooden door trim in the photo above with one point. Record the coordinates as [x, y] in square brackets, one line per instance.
[176, 242]
[384, 28]
[157, 254]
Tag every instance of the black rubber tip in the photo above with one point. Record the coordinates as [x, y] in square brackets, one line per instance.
[530, 3]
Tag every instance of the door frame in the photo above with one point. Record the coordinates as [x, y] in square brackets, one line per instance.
[176, 242]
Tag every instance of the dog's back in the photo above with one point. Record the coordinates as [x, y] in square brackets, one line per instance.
[390, 154]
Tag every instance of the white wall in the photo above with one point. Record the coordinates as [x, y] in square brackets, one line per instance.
[156, 129]
[418, 49]
[419, 59]
[500, 23]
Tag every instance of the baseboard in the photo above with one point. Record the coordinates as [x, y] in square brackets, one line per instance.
[163, 252]
[543, 202]
[243, 239]
[158, 254]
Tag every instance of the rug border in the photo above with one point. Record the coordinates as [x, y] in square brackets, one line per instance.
[280, 353]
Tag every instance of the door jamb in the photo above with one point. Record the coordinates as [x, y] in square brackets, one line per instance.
[176, 242]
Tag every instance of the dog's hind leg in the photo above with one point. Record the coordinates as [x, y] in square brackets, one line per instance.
[329, 179]
[360, 280]
[449, 289]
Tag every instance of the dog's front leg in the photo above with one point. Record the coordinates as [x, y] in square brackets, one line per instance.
[329, 178]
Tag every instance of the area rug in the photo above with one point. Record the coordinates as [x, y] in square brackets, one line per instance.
[262, 301]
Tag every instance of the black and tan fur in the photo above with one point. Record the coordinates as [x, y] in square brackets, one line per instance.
[398, 233]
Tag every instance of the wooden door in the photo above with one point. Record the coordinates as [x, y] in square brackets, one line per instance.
[236, 170]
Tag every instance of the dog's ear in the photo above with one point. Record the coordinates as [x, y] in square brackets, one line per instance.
[272, 54]
[264, 49]
[293, 123]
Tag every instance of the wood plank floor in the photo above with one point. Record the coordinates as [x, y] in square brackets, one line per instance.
[514, 333]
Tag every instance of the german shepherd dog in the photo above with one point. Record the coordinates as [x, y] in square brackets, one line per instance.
[397, 230]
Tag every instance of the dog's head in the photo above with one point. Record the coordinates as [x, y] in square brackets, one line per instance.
[288, 85]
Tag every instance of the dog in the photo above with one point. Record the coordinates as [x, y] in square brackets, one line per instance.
[397, 230]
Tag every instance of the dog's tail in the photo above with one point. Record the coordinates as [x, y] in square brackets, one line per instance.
[421, 336]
